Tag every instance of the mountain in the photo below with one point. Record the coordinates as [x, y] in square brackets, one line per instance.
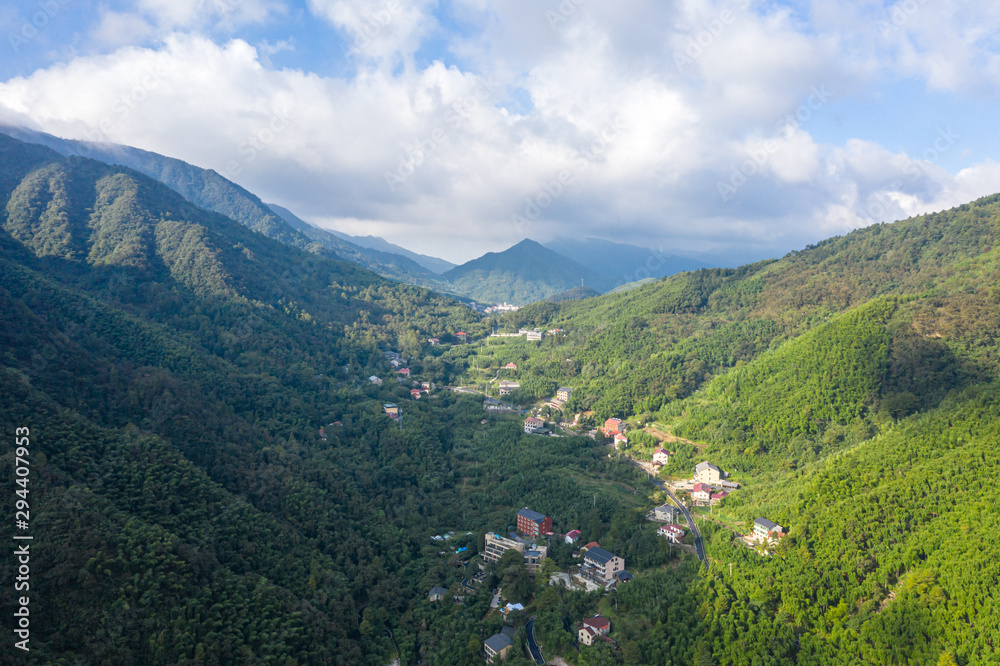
[209, 190]
[622, 263]
[574, 294]
[432, 264]
[523, 273]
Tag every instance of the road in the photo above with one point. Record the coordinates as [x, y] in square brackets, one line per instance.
[699, 545]
[533, 648]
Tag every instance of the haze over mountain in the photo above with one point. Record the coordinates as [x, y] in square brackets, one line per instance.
[620, 262]
[521, 274]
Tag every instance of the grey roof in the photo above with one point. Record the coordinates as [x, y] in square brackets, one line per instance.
[766, 524]
[599, 555]
[508, 631]
[705, 465]
[497, 642]
[533, 516]
[666, 507]
[435, 591]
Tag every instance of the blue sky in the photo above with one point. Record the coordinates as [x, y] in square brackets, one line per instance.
[457, 127]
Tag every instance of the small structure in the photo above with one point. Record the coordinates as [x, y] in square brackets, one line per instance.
[322, 433]
[462, 337]
[437, 594]
[511, 607]
[531, 425]
[592, 627]
[706, 472]
[719, 496]
[592, 544]
[563, 392]
[599, 564]
[433, 341]
[391, 410]
[620, 441]
[496, 646]
[766, 530]
[572, 536]
[667, 513]
[533, 524]
[701, 493]
[404, 371]
[375, 380]
[661, 456]
[507, 387]
[624, 576]
[673, 533]
[415, 394]
[510, 366]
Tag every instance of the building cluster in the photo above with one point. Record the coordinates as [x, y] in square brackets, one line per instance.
[710, 486]
[615, 429]
[502, 308]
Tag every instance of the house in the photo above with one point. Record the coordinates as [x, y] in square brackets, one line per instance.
[322, 433]
[507, 387]
[497, 645]
[667, 513]
[433, 341]
[661, 456]
[624, 576]
[673, 533]
[462, 337]
[375, 380]
[511, 607]
[620, 441]
[572, 536]
[427, 386]
[533, 524]
[534, 335]
[706, 472]
[534, 558]
[497, 545]
[592, 544]
[601, 565]
[555, 331]
[531, 424]
[612, 426]
[510, 366]
[391, 410]
[437, 593]
[404, 371]
[593, 627]
[719, 496]
[701, 493]
[562, 393]
[765, 530]
[415, 394]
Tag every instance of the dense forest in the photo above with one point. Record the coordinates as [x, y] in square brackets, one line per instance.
[213, 479]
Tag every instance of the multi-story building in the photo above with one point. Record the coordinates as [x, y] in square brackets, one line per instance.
[534, 336]
[496, 646]
[506, 387]
[592, 628]
[764, 530]
[667, 513]
[534, 558]
[497, 545]
[563, 392]
[706, 472]
[661, 456]
[531, 424]
[533, 524]
[601, 565]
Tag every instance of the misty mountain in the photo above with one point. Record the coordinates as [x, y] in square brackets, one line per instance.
[521, 274]
[623, 263]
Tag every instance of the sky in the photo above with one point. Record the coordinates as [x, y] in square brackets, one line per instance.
[737, 128]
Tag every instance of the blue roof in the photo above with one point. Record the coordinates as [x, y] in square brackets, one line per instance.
[533, 516]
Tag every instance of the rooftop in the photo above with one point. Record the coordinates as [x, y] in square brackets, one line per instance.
[599, 555]
[533, 516]
[497, 642]
[766, 524]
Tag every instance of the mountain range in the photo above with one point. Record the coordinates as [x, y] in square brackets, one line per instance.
[519, 275]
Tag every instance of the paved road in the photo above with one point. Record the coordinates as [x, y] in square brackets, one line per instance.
[533, 648]
[699, 545]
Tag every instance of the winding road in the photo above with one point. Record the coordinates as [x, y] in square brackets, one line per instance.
[699, 545]
[536, 652]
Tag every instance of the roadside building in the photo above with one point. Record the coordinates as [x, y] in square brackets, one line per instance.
[534, 335]
[533, 524]
[508, 387]
[701, 493]
[462, 336]
[497, 646]
[673, 533]
[668, 513]
[661, 456]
